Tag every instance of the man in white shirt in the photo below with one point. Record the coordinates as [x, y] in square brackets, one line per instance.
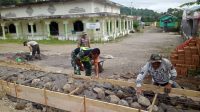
[162, 71]
[34, 48]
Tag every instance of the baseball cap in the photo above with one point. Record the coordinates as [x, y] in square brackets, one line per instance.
[155, 58]
[84, 33]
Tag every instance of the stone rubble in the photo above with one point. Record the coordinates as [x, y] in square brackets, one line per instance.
[121, 95]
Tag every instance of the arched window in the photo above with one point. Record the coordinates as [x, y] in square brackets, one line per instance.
[78, 26]
[34, 28]
[12, 28]
[117, 24]
[54, 28]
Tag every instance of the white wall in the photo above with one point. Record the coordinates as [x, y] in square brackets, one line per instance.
[64, 8]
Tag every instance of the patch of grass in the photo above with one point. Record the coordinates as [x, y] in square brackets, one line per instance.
[49, 42]
[61, 42]
[12, 41]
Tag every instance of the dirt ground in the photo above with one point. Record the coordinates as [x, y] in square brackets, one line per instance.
[130, 54]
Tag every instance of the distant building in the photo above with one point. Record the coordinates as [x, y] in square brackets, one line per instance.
[168, 22]
[64, 20]
[190, 24]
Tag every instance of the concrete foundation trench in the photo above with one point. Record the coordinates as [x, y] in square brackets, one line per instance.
[106, 92]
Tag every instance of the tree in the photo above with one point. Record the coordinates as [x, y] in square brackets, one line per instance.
[7, 2]
[27, 1]
[176, 12]
[146, 14]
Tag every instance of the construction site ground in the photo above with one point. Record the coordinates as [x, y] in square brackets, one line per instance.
[129, 55]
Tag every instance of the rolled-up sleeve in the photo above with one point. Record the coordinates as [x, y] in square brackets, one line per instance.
[172, 71]
[141, 75]
[173, 75]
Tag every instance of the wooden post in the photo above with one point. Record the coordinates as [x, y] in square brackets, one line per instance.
[84, 104]
[45, 97]
[1, 85]
[15, 85]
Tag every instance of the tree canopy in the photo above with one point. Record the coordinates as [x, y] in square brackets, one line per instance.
[146, 14]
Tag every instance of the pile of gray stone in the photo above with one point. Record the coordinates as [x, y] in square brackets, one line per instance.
[107, 92]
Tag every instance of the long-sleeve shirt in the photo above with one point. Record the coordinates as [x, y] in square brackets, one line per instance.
[166, 73]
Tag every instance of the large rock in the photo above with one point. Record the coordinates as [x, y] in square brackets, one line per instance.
[143, 101]
[136, 105]
[129, 100]
[97, 90]
[20, 106]
[171, 109]
[49, 85]
[160, 109]
[67, 88]
[70, 81]
[90, 94]
[114, 99]
[20, 76]
[108, 92]
[100, 92]
[29, 107]
[107, 86]
[120, 94]
[123, 102]
[163, 106]
[80, 90]
[155, 108]
[35, 82]
[46, 79]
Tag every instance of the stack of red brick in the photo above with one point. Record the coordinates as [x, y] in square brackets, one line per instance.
[187, 58]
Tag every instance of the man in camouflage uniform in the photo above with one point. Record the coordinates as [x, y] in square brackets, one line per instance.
[83, 58]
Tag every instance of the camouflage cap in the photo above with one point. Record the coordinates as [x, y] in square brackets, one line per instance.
[155, 58]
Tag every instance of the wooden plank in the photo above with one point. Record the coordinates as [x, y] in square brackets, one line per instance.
[174, 91]
[62, 101]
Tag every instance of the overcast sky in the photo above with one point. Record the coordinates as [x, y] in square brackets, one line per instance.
[156, 5]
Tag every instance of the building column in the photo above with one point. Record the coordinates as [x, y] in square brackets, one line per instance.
[17, 30]
[48, 29]
[3, 30]
[120, 25]
[131, 24]
[124, 28]
[32, 32]
[108, 27]
[103, 26]
[66, 29]
[115, 27]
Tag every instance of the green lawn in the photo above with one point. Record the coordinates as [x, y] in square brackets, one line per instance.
[20, 41]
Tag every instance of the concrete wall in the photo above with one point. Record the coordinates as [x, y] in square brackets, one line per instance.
[64, 8]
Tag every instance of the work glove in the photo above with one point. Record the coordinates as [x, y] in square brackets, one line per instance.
[168, 88]
[30, 53]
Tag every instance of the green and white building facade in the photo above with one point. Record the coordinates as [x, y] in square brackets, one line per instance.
[65, 20]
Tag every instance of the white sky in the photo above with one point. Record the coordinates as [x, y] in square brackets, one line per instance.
[156, 5]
